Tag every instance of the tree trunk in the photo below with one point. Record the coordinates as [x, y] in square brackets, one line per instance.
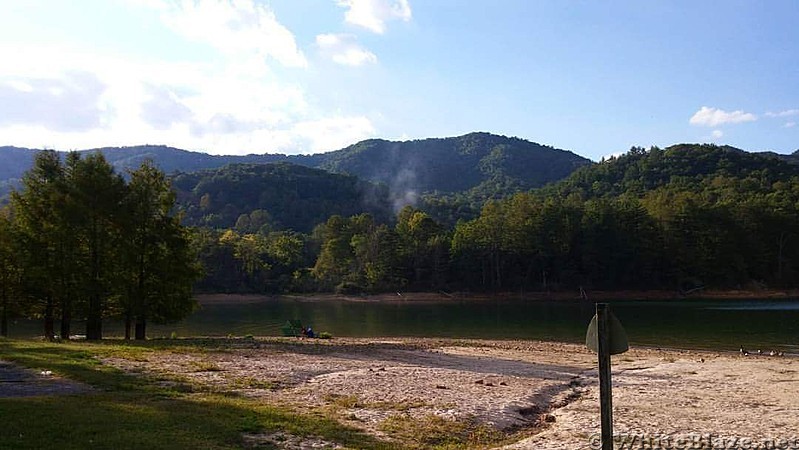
[4, 316]
[128, 323]
[49, 321]
[66, 318]
[94, 321]
[141, 326]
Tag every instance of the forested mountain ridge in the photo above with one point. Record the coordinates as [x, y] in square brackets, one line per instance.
[408, 168]
[454, 164]
[693, 167]
[265, 197]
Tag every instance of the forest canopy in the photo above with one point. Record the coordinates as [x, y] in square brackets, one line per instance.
[80, 241]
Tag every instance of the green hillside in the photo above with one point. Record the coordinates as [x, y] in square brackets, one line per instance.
[483, 161]
[262, 197]
[454, 164]
[693, 167]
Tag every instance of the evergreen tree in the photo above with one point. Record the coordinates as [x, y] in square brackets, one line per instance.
[157, 263]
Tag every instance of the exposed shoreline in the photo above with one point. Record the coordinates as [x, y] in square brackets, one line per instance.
[543, 395]
[534, 394]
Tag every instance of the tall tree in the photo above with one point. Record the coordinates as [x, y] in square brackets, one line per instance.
[98, 193]
[157, 263]
[40, 234]
[10, 271]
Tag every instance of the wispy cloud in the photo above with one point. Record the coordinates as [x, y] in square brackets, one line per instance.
[235, 27]
[373, 14]
[63, 104]
[786, 113]
[717, 134]
[333, 132]
[789, 124]
[344, 49]
[712, 117]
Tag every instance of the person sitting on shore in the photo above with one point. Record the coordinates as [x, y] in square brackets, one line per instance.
[308, 332]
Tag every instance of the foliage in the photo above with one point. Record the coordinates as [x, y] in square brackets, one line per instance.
[10, 271]
[470, 168]
[93, 245]
[263, 198]
[676, 218]
[357, 255]
[253, 262]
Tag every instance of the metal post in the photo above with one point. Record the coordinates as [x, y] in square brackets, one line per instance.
[605, 395]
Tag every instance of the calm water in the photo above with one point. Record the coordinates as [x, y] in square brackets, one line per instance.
[723, 324]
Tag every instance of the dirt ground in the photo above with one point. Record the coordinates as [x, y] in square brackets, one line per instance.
[545, 394]
[16, 381]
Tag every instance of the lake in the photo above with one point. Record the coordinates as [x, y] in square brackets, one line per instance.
[699, 324]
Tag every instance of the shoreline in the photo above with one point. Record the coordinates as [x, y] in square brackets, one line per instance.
[519, 394]
[572, 296]
[537, 394]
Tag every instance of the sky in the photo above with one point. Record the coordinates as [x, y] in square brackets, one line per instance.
[310, 76]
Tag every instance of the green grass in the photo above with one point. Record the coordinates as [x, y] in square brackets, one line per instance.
[139, 412]
[434, 432]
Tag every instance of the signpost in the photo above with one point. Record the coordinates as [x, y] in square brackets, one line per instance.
[607, 337]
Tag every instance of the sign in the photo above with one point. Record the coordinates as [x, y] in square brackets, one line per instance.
[617, 337]
[606, 337]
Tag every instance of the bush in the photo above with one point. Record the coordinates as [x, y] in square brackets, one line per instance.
[348, 288]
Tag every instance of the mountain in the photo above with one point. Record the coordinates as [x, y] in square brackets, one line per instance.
[693, 167]
[253, 197]
[408, 168]
[453, 164]
[16, 161]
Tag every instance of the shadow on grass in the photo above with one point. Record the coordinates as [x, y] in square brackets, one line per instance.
[137, 412]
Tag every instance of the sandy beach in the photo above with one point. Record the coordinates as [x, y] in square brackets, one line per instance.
[540, 395]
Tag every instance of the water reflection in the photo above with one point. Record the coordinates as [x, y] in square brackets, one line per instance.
[721, 325]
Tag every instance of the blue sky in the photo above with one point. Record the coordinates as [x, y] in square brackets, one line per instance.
[307, 76]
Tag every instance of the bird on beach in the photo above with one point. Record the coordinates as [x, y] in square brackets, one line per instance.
[743, 352]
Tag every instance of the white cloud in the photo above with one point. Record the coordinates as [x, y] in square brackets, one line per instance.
[344, 49]
[613, 155]
[789, 125]
[711, 117]
[333, 132]
[43, 101]
[373, 14]
[227, 98]
[235, 27]
[717, 134]
[786, 113]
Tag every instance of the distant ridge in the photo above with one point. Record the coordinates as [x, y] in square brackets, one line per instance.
[687, 166]
[447, 165]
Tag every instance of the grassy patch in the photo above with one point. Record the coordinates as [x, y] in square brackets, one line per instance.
[140, 411]
[343, 401]
[205, 366]
[439, 433]
[251, 383]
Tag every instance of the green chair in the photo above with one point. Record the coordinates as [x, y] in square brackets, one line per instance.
[293, 328]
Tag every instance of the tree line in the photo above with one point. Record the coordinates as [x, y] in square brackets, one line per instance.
[674, 219]
[81, 242]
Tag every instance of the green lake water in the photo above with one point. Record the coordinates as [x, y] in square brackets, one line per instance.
[701, 324]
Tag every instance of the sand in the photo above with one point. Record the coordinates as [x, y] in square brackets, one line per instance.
[543, 395]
